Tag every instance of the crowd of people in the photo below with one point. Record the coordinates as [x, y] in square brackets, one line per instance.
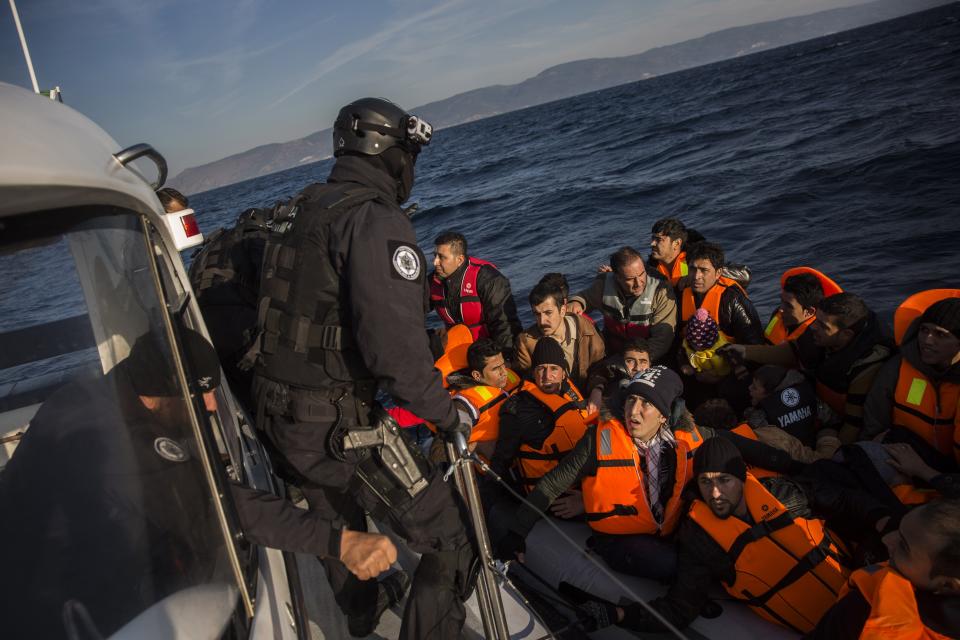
[805, 465]
[809, 465]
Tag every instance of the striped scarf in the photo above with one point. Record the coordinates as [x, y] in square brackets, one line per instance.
[651, 452]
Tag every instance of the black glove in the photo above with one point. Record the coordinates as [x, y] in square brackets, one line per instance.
[510, 546]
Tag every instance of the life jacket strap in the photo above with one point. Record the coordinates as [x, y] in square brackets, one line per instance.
[757, 531]
[618, 510]
[806, 564]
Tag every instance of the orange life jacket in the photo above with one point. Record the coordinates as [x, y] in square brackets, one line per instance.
[454, 358]
[470, 312]
[615, 499]
[486, 402]
[570, 420]
[745, 430]
[711, 302]
[911, 495]
[776, 330]
[677, 270]
[787, 569]
[914, 306]
[693, 439]
[926, 408]
[893, 605]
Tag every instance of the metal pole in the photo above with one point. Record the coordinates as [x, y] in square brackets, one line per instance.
[492, 609]
[23, 43]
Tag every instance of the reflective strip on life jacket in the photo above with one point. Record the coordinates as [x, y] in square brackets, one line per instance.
[711, 302]
[570, 420]
[745, 430]
[677, 270]
[927, 409]
[894, 614]
[776, 330]
[787, 569]
[470, 311]
[615, 499]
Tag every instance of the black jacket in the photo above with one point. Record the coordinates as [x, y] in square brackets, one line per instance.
[738, 317]
[499, 308]
[387, 309]
[524, 420]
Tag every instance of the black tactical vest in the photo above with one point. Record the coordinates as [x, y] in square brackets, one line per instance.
[231, 257]
[306, 336]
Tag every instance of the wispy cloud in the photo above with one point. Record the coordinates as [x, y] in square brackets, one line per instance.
[354, 50]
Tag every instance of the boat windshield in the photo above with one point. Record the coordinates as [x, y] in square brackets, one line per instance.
[107, 522]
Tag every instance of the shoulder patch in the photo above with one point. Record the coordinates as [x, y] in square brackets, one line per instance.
[405, 260]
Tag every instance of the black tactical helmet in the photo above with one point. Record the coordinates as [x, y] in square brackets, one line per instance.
[370, 126]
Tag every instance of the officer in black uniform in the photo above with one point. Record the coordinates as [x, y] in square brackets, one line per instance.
[342, 313]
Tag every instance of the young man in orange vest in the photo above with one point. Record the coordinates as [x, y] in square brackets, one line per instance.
[727, 305]
[800, 294]
[723, 298]
[916, 594]
[667, 257]
[470, 291]
[779, 560]
[482, 389]
[914, 398]
[633, 470]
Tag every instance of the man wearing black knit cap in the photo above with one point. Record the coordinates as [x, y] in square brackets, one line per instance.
[914, 397]
[543, 420]
[779, 560]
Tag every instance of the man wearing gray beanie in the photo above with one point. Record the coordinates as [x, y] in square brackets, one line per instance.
[913, 400]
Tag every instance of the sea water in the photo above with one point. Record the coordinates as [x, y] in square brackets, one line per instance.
[840, 153]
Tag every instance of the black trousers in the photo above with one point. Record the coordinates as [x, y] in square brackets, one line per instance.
[432, 523]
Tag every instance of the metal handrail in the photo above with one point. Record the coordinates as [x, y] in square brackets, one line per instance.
[128, 155]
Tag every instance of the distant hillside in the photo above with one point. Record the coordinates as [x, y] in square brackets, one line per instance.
[562, 81]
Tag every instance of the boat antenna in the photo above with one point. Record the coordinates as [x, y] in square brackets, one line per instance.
[23, 44]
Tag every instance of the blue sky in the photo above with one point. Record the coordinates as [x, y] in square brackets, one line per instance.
[202, 79]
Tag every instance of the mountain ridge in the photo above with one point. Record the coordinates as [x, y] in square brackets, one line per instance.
[562, 81]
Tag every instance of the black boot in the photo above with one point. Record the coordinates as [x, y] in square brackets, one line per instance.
[390, 591]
